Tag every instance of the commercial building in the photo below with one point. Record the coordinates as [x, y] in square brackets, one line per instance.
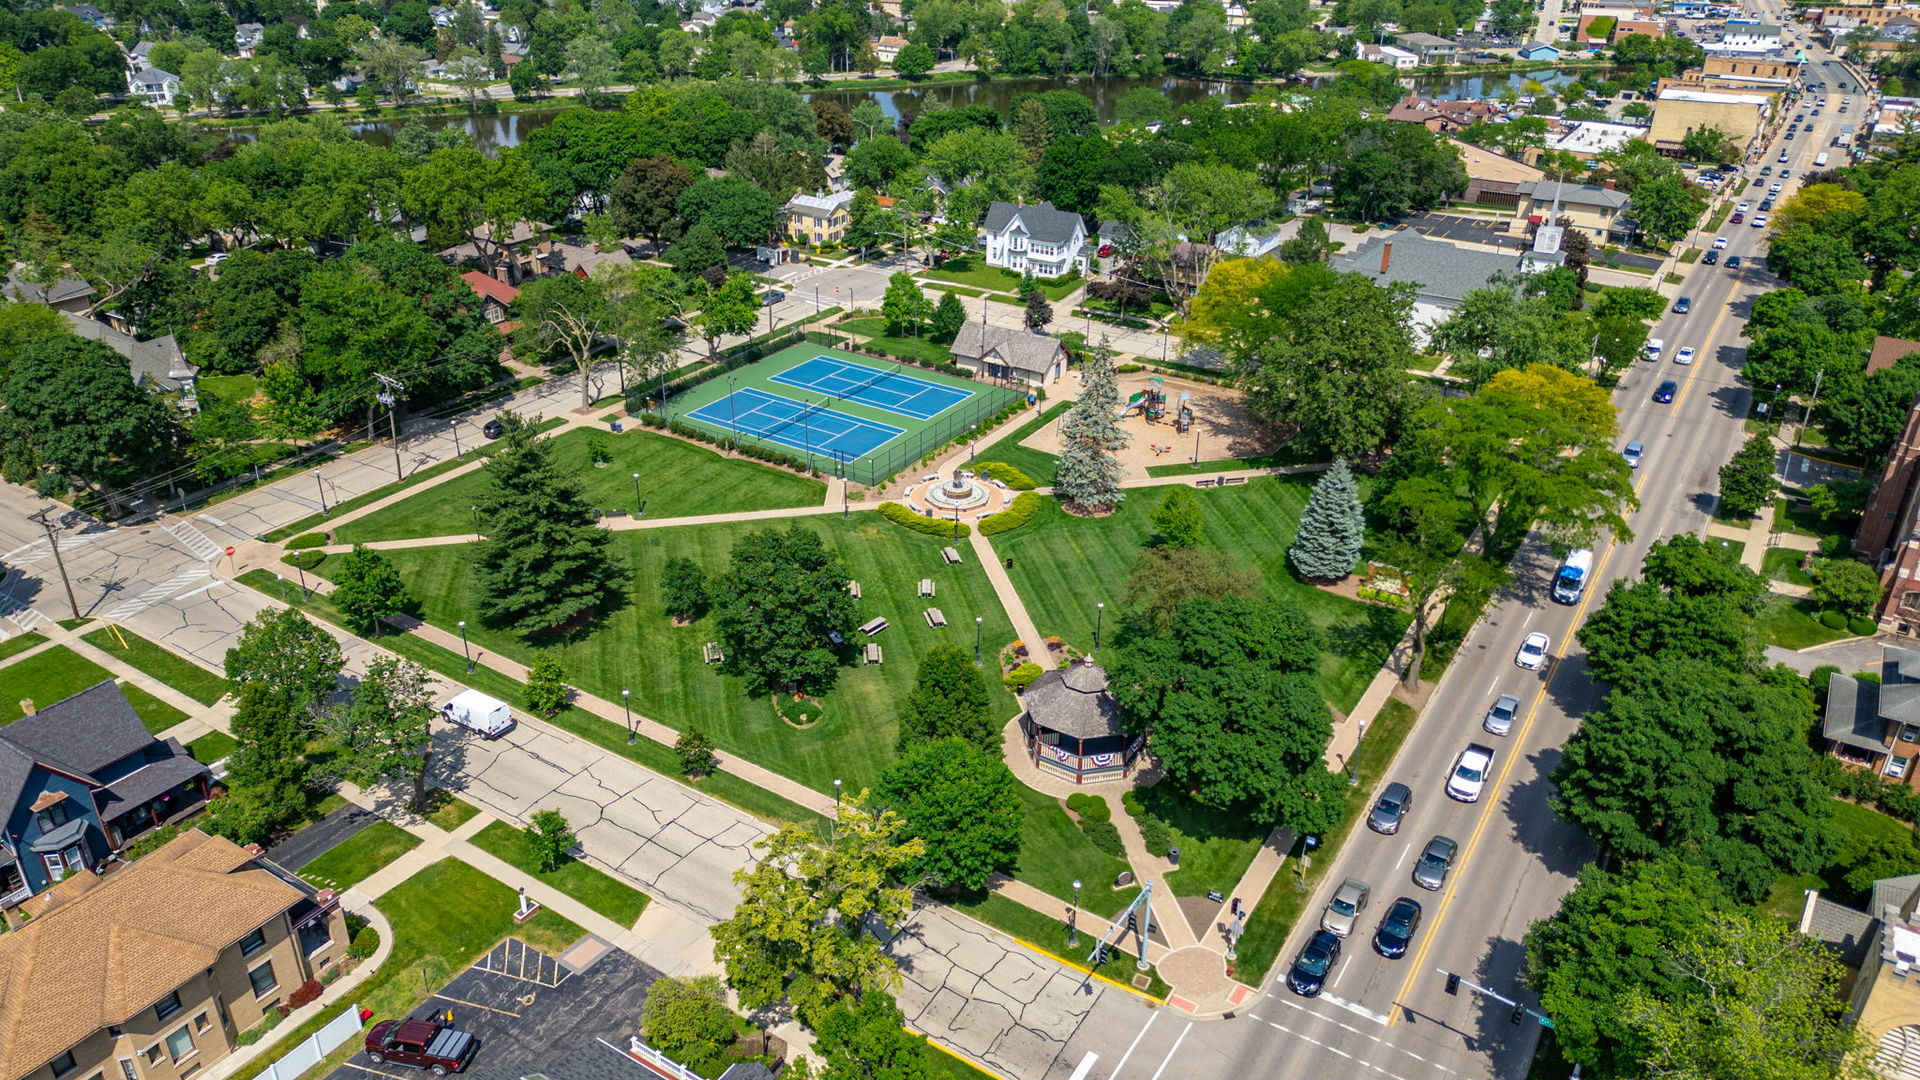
[1679, 111]
[1493, 179]
[1594, 209]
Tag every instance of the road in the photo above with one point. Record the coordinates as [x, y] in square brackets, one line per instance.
[1393, 1018]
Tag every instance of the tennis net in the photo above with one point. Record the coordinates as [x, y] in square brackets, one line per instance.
[859, 386]
[807, 412]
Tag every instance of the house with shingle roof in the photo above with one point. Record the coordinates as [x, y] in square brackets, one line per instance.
[78, 780]
[152, 972]
[1009, 355]
[158, 364]
[1038, 239]
[66, 294]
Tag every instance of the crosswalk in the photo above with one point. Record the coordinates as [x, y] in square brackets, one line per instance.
[202, 546]
[128, 609]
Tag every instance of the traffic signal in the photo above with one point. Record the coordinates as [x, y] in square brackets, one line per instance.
[1519, 1014]
[1453, 983]
[1133, 922]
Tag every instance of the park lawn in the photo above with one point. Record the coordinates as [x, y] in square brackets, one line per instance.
[1054, 853]
[212, 746]
[157, 715]
[1286, 455]
[944, 1065]
[973, 270]
[1064, 564]
[443, 919]
[1790, 624]
[238, 389]
[636, 647]
[1852, 824]
[1795, 516]
[1783, 564]
[358, 856]
[595, 888]
[875, 331]
[450, 811]
[1216, 847]
[176, 671]
[677, 479]
[20, 643]
[1037, 464]
[47, 677]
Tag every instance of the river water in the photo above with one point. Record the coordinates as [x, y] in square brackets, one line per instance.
[499, 130]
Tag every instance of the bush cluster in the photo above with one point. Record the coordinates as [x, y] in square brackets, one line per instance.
[1105, 836]
[1022, 677]
[945, 528]
[1155, 834]
[308, 991]
[1891, 797]
[1089, 807]
[366, 942]
[752, 450]
[1024, 507]
[1006, 474]
[306, 540]
[1128, 321]
[305, 560]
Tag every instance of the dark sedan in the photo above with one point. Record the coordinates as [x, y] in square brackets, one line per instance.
[1390, 809]
[1431, 871]
[1396, 928]
[494, 429]
[1665, 391]
[1313, 965]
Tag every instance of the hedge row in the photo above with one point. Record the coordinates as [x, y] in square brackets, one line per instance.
[1025, 505]
[306, 540]
[1893, 798]
[752, 450]
[1005, 473]
[945, 528]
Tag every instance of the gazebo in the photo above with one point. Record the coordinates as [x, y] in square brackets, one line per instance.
[1072, 726]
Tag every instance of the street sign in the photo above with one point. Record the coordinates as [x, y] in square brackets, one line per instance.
[229, 552]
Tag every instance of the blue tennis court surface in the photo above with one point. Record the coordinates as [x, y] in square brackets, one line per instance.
[882, 389]
[789, 423]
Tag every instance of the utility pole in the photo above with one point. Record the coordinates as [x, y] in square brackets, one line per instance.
[1807, 417]
[45, 518]
[390, 389]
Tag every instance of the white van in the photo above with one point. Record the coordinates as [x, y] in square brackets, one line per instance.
[1820, 162]
[1655, 346]
[477, 712]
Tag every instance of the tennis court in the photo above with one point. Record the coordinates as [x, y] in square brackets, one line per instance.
[892, 391]
[815, 430]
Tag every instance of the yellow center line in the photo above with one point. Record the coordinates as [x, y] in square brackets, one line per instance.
[1506, 767]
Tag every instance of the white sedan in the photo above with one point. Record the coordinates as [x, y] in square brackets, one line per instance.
[1719, 242]
[1742, 208]
[1684, 356]
[1533, 651]
[1760, 221]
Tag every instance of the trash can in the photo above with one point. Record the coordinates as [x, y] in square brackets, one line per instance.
[1173, 855]
[615, 425]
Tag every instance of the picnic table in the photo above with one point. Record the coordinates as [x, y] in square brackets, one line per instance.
[874, 655]
[926, 586]
[873, 626]
[853, 589]
[713, 653]
[952, 556]
[935, 618]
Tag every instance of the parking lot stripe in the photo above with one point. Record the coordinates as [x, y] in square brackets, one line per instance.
[477, 1005]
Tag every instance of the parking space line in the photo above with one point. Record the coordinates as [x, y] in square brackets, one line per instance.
[477, 1005]
[376, 1072]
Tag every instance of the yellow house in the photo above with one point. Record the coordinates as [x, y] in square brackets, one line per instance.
[1593, 209]
[819, 219]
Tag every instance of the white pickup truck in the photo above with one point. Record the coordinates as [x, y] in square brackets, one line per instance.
[1470, 769]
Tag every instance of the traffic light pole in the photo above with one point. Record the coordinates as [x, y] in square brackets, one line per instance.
[1137, 919]
[1520, 1012]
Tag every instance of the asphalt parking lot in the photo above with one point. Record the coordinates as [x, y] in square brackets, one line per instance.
[529, 1010]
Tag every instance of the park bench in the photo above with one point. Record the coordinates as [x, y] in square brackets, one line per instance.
[926, 586]
[1228, 480]
[874, 655]
[713, 653]
[952, 556]
[935, 618]
[853, 589]
[873, 626]
[1203, 483]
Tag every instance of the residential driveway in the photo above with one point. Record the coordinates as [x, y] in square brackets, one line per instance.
[1801, 470]
[530, 1011]
[675, 843]
[1850, 656]
[322, 836]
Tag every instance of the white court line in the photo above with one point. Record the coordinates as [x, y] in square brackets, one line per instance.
[1136, 1042]
[1172, 1050]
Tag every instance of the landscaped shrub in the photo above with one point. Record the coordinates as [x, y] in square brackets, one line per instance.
[1022, 677]
[365, 943]
[305, 560]
[1105, 836]
[1156, 835]
[1129, 369]
[1006, 474]
[945, 528]
[308, 991]
[1089, 807]
[1025, 506]
[1862, 627]
[1818, 678]
[306, 540]
[1833, 620]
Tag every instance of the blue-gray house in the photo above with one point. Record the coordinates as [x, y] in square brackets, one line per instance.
[78, 779]
[1539, 51]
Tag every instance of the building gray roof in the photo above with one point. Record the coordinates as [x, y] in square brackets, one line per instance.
[1849, 933]
[153, 76]
[32, 292]
[1853, 714]
[1423, 41]
[1074, 701]
[85, 732]
[1578, 194]
[157, 363]
[1042, 221]
[141, 49]
[821, 204]
[1442, 271]
[1025, 351]
[164, 773]
[1532, 45]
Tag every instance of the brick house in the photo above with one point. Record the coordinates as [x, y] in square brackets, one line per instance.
[153, 972]
[1889, 533]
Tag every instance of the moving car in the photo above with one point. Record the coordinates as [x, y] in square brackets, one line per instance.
[1533, 651]
[1397, 927]
[494, 428]
[1684, 356]
[486, 716]
[1500, 714]
[1683, 305]
[1436, 859]
[773, 297]
[1719, 243]
[1760, 221]
[1655, 346]
[1766, 204]
[1390, 809]
[1742, 208]
[216, 258]
[1710, 258]
[1665, 391]
[420, 1044]
[1349, 900]
[1737, 218]
[1470, 769]
[1733, 262]
[1313, 965]
[1633, 453]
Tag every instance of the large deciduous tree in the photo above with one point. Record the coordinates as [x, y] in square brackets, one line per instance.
[646, 197]
[964, 802]
[568, 313]
[1747, 480]
[949, 700]
[72, 406]
[385, 735]
[367, 590]
[543, 562]
[781, 600]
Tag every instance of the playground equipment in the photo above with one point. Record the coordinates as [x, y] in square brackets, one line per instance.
[1150, 403]
[1183, 421]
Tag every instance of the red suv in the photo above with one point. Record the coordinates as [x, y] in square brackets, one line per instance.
[420, 1044]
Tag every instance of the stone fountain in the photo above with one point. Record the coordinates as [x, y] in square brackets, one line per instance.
[961, 493]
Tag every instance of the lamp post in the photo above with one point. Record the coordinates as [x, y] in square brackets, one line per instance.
[733, 419]
[476, 519]
[464, 647]
[972, 443]
[626, 706]
[321, 488]
[636, 494]
[977, 621]
[304, 593]
[1099, 619]
[1073, 930]
[455, 425]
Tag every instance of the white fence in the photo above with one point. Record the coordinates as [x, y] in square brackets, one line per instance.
[658, 1061]
[315, 1046]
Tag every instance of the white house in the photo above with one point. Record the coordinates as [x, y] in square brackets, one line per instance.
[247, 37]
[1250, 241]
[1035, 239]
[1398, 59]
[154, 86]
